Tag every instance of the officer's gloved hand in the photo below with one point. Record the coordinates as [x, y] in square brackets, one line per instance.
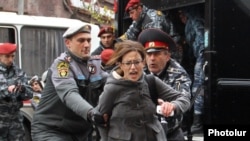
[95, 117]
[19, 88]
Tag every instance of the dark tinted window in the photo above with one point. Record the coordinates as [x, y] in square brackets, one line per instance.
[40, 46]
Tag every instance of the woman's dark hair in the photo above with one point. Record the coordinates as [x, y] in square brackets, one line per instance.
[123, 48]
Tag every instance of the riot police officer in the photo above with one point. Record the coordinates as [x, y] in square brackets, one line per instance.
[73, 84]
[143, 18]
[14, 89]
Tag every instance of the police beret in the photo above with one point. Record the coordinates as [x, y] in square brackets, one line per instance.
[106, 55]
[7, 48]
[132, 4]
[155, 40]
[107, 29]
[77, 29]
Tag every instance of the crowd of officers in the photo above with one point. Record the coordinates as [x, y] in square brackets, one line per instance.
[106, 91]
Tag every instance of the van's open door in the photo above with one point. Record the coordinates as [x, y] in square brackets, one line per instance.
[228, 72]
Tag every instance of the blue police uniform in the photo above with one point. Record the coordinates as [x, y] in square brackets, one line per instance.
[72, 89]
[173, 74]
[11, 119]
[194, 34]
[149, 18]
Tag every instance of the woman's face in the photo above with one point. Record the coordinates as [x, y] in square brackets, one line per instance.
[132, 66]
[36, 87]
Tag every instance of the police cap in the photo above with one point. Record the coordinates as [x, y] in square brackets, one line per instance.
[73, 30]
[155, 40]
[7, 48]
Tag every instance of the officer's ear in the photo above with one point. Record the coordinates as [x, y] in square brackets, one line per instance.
[67, 42]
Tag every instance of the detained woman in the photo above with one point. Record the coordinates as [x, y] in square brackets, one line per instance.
[126, 103]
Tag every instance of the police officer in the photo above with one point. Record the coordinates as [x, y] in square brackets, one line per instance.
[107, 37]
[14, 89]
[73, 84]
[194, 35]
[159, 62]
[143, 18]
[105, 57]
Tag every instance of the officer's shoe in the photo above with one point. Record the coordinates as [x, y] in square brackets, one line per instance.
[197, 126]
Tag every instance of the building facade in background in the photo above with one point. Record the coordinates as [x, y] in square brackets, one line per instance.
[98, 12]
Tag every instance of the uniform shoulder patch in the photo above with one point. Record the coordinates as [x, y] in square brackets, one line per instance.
[92, 68]
[95, 57]
[123, 37]
[63, 69]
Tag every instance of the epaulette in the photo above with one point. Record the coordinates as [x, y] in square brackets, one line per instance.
[67, 59]
[176, 70]
[95, 57]
[159, 13]
[123, 37]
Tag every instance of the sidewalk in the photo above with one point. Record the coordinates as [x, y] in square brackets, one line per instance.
[197, 137]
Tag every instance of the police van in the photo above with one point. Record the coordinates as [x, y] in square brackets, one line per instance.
[227, 71]
[39, 41]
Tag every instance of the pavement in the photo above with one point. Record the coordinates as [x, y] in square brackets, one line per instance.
[196, 137]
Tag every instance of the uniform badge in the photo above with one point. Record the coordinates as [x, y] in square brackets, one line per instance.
[63, 69]
[95, 57]
[151, 44]
[92, 68]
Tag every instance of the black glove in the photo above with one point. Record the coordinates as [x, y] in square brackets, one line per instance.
[95, 117]
[19, 89]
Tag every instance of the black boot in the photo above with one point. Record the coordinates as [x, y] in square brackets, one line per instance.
[197, 126]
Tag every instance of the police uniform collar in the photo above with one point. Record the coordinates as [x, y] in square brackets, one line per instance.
[77, 59]
[3, 67]
[164, 72]
[143, 14]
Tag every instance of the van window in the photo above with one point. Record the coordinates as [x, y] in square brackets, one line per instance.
[7, 34]
[40, 46]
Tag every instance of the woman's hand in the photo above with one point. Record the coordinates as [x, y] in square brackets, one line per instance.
[11, 88]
